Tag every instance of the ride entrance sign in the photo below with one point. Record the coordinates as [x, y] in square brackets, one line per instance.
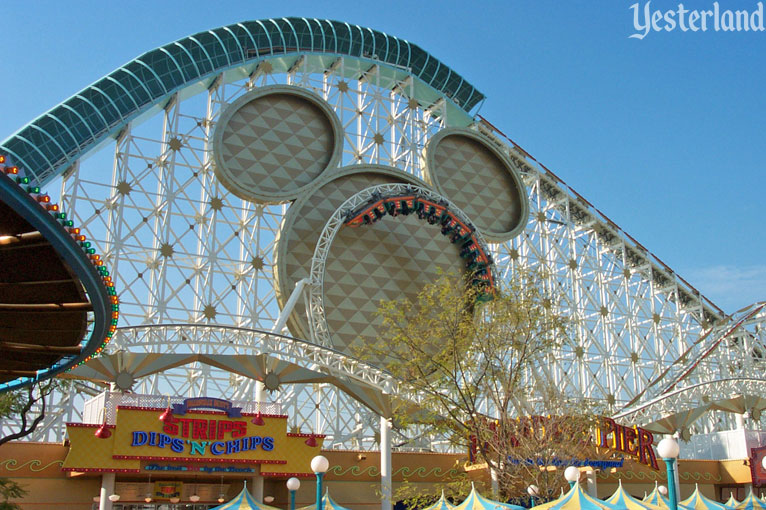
[197, 435]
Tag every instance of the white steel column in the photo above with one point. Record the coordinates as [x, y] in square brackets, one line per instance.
[256, 486]
[495, 483]
[385, 464]
[107, 489]
[590, 476]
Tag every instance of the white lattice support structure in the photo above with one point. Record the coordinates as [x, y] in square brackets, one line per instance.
[185, 251]
[721, 371]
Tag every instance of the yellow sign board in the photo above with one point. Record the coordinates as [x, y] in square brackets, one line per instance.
[187, 439]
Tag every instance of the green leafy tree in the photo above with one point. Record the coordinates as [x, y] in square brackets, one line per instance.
[474, 370]
[10, 490]
[21, 404]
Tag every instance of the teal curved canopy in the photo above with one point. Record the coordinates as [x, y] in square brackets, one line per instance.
[48, 145]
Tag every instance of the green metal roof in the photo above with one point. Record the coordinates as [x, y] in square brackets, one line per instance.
[48, 145]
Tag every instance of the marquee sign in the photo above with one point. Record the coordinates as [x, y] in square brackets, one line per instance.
[633, 441]
[208, 403]
[192, 438]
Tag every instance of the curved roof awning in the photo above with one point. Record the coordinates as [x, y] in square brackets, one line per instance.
[48, 289]
[53, 141]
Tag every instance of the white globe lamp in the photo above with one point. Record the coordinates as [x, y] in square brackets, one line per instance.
[572, 475]
[668, 450]
[320, 464]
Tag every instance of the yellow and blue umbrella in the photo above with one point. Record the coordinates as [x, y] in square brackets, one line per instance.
[442, 504]
[699, 502]
[750, 503]
[327, 503]
[732, 502]
[622, 499]
[576, 499]
[476, 501]
[244, 501]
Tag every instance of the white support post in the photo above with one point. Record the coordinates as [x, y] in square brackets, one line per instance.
[495, 482]
[258, 396]
[107, 489]
[385, 464]
[256, 486]
[288, 308]
[590, 476]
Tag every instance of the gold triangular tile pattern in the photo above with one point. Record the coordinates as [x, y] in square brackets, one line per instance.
[478, 182]
[301, 234]
[275, 143]
[390, 259]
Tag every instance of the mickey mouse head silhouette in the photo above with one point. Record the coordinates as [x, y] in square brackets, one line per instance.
[280, 144]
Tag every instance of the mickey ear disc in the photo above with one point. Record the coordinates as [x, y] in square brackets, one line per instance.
[468, 169]
[273, 143]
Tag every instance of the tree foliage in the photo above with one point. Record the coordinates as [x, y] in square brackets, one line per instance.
[10, 490]
[21, 404]
[477, 372]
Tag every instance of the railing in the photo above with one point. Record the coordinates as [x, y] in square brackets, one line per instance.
[110, 400]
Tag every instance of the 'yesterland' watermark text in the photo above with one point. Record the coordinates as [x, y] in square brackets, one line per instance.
[646, 19]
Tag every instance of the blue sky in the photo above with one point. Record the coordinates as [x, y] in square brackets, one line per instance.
[665, 135]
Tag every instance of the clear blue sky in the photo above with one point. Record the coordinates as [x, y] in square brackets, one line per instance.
[665, 135]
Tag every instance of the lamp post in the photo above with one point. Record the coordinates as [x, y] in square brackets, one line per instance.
[572, 474]
[668, 450]
[320, 465]
[293, 484]
[532, 490]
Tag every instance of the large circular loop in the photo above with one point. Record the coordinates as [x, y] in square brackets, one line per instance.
[273, 143]
[467, 168]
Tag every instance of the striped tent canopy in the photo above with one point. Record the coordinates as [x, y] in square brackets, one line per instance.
[657, 499]
[749, 503]
[622, 499]
[244, 501]
[327, 503]
[476, 501]
[442, 504]
[699, 502]
[732, 502]
[576, 499]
